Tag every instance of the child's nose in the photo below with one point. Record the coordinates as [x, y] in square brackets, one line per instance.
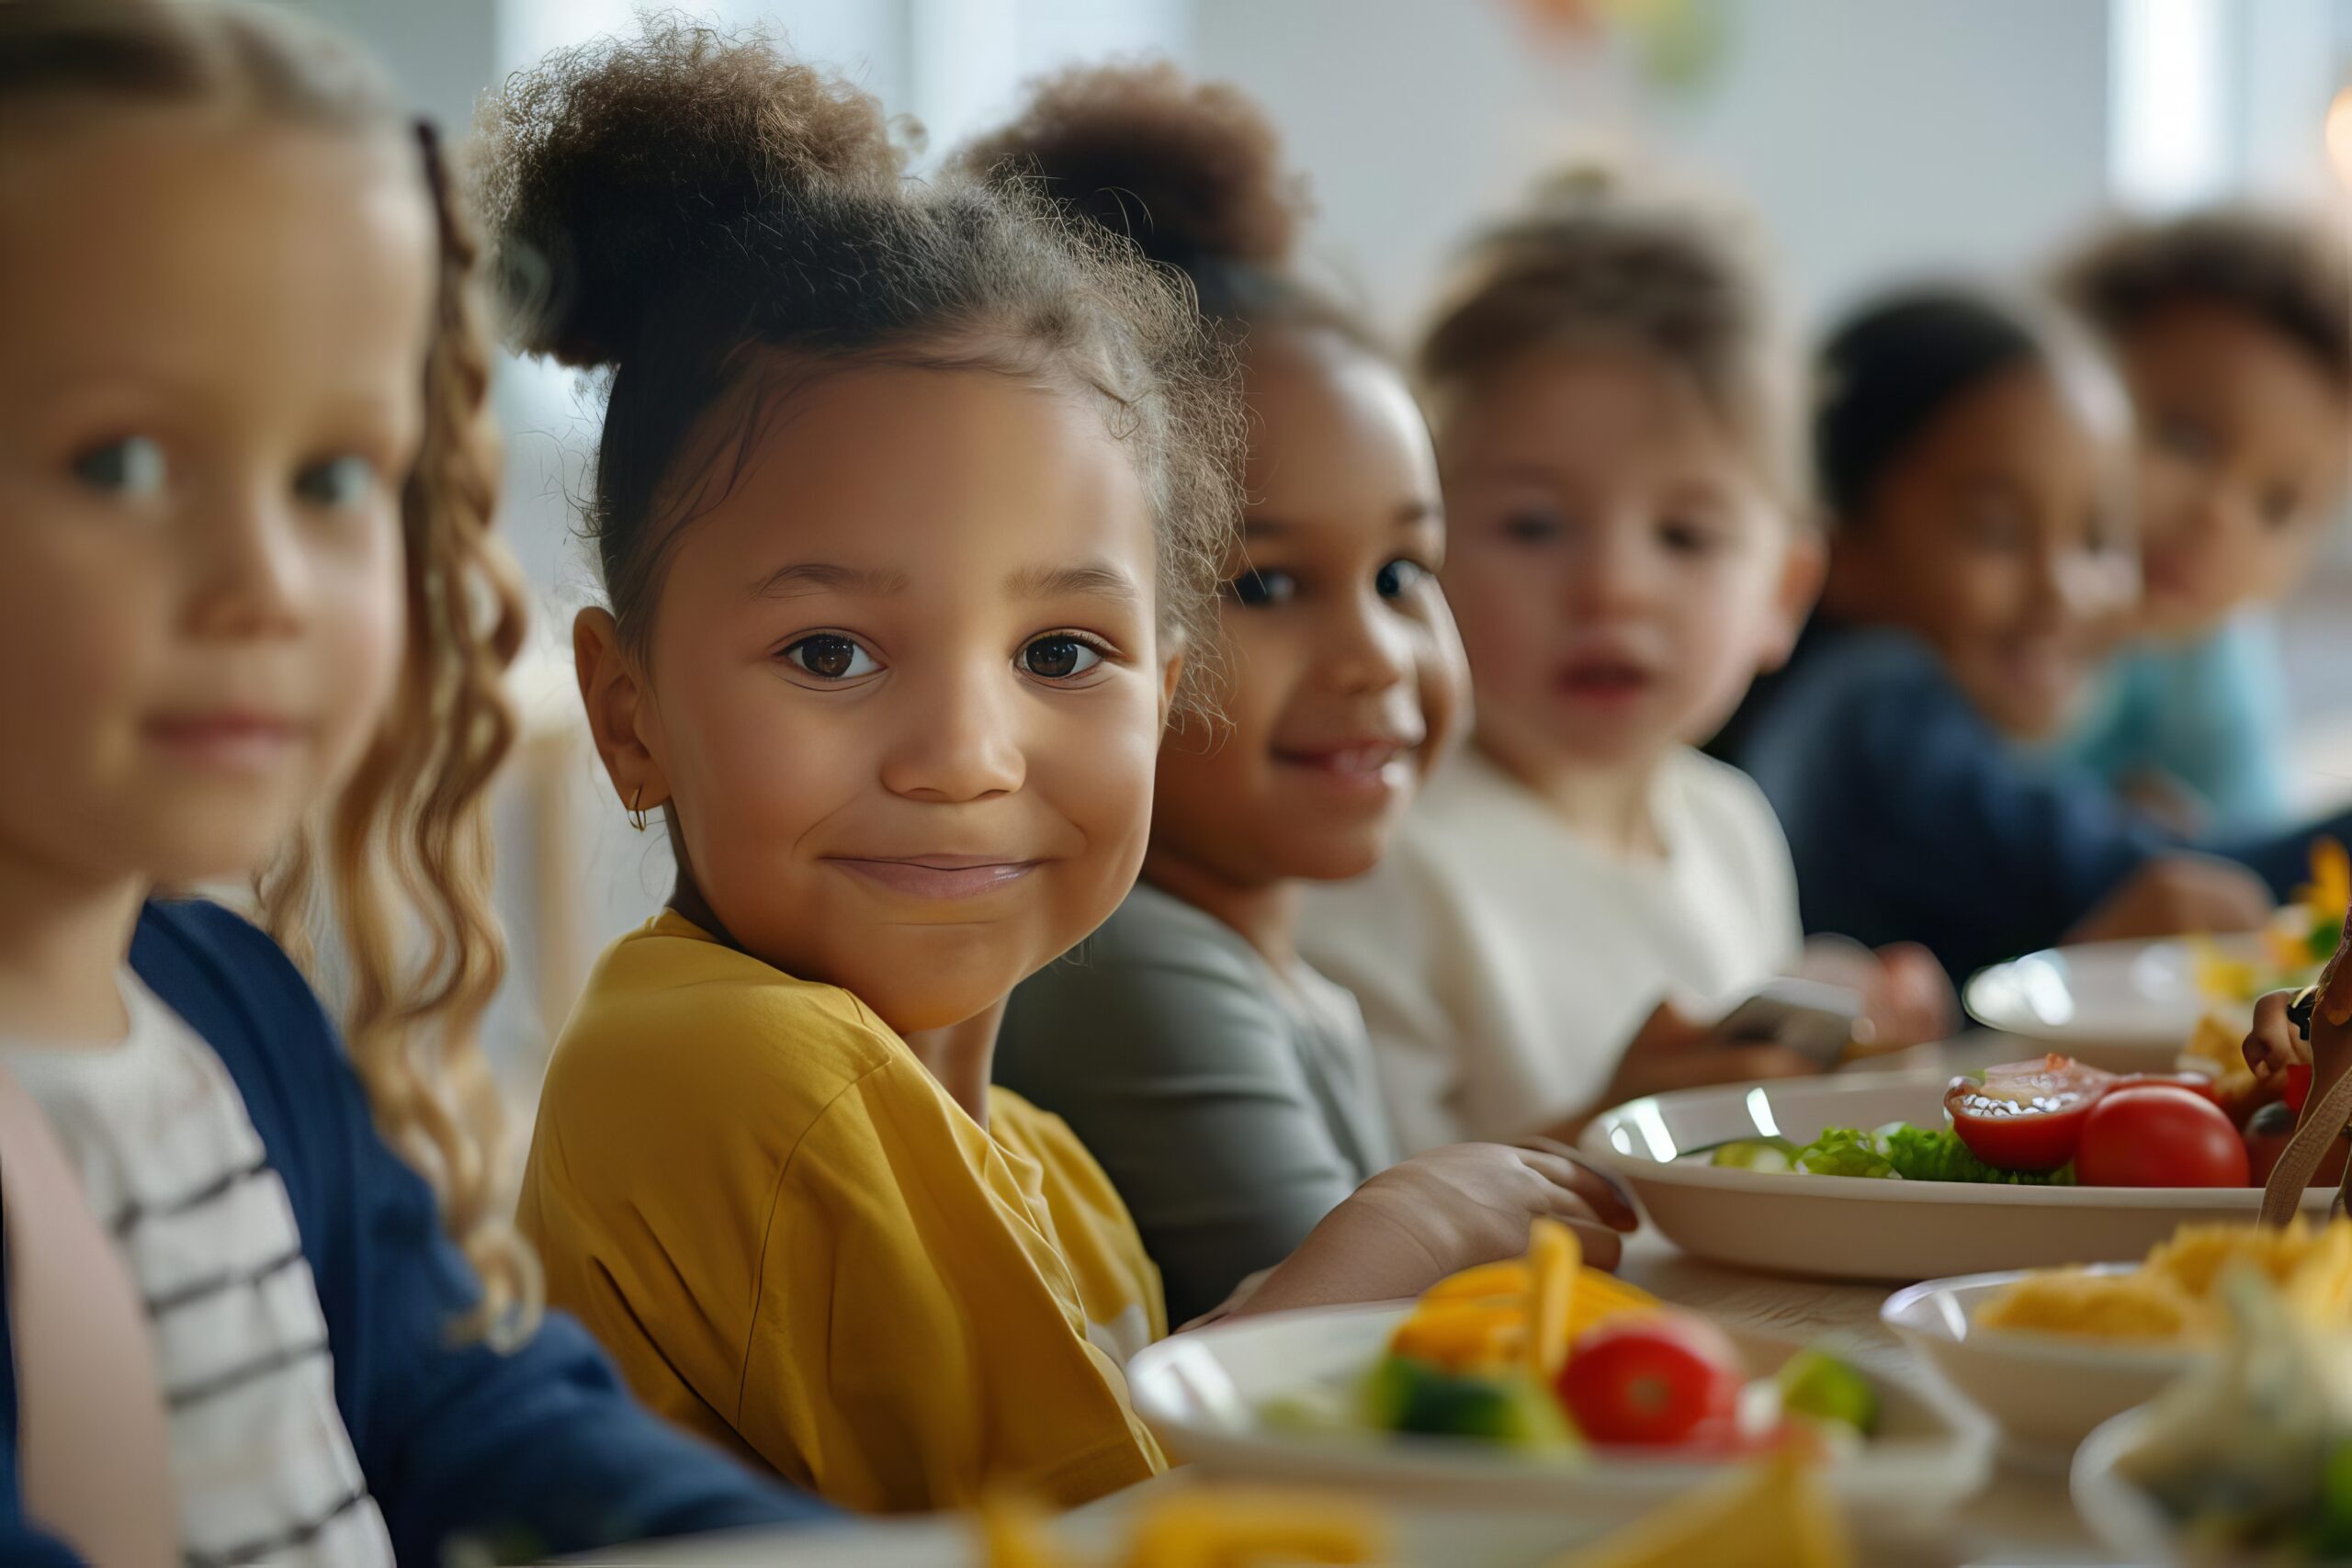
[957, 740]
[1370, 647]
[249, 570]
[1613, 573]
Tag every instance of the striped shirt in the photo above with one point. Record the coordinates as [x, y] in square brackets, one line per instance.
[172, 1165]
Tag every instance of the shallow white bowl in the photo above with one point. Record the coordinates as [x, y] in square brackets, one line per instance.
[2125, 1520]
[1847, 1228]
[2046, 1392]
[1202, 1392]
[2126, 1006]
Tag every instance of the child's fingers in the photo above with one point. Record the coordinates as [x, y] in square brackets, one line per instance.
[1584, 1190]
[1603, 1247]
[2274, 1043]
[1739, 1063]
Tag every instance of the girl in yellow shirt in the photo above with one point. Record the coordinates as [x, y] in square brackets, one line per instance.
[909, 503]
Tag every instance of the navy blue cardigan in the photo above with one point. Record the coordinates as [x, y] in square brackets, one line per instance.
[537, 1452]
[1910, 819]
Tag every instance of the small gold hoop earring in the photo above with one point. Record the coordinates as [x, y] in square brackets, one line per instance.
[636, 813]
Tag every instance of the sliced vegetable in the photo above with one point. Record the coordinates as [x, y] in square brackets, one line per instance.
[1651, 1381]
[2025, 1115]
[1817, 1385]
[2159, 1135]
[1922, 1153]
[1409, 1395]
[1843, 1151]
[1771, 1154]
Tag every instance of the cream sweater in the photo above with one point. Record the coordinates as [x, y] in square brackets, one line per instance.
[1502, 962]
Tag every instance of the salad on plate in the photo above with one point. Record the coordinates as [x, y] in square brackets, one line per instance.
[1543, 1355]
[2049, 1121]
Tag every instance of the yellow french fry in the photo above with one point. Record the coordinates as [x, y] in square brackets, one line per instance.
[1228, 1527]
[1013, 1535]
[1488, 1282]
[1553, 1257]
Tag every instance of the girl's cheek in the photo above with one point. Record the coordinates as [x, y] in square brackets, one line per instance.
[366, 624]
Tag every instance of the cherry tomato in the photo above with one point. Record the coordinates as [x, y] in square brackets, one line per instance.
[2299, 1086]
[2265, 1139]
[2159, 1135]
[2026, 1115]
[1652, 1380]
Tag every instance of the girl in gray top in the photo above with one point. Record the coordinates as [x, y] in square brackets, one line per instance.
[1223, 1085]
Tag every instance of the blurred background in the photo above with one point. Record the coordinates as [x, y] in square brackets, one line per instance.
[1875, 140]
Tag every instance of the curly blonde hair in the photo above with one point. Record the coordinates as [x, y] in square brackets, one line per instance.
[401, 860]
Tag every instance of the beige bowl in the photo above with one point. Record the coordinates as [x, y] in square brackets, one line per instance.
[2045, 1391]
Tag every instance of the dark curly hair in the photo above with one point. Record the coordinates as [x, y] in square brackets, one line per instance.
[1190, 171]
[1591, 261]
[663, 207]
[2289, 272]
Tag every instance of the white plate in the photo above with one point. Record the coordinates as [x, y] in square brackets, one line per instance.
[1849, 1228]
[2046, 1392]
[2127, 1006]
[2126, 1520]
[1097, 1533]
[1202, 1392]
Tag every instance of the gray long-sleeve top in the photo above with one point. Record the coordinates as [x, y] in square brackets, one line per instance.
[1233, 1105]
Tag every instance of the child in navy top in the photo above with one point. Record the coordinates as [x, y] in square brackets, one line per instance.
[1970, 454]
[261, 624]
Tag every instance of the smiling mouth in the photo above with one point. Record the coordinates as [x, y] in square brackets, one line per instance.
[938, 876]
[1605, 680]
[1356, 757]
[229, 742]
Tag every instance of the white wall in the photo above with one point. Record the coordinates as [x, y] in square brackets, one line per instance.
[1871, 135]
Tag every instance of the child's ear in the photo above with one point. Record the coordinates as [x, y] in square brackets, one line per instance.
[619, 707]
[1172, 676]
[1805, 563]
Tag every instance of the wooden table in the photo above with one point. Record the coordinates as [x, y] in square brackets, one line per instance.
[2021, 1517]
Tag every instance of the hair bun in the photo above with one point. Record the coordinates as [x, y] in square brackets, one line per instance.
[610, 172]
[1191, 171]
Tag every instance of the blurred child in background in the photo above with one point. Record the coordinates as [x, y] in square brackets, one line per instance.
[1974, 458]
[248, 584]
[1226, 1087]
[1616, 429]
[2232, 330]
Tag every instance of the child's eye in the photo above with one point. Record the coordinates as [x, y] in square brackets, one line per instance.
[1263, 588]
[337, 482]
[134, 467]
[831, 656]
[2184, 437]
[1059, 657]
[1687, 538]
[1398, 578]
[1531, 528]
[2280, 508]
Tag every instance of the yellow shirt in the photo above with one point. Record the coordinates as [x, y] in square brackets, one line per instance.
[797, 1243]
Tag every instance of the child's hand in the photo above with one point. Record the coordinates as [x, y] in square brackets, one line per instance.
[1673, 1051]
[1913, 1001]
[2176, 893]
[1906, 998]
[2275, 1043]
[1438, 1213]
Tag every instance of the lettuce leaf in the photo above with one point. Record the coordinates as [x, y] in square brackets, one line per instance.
[1902, 1150]
[1844, 1150]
